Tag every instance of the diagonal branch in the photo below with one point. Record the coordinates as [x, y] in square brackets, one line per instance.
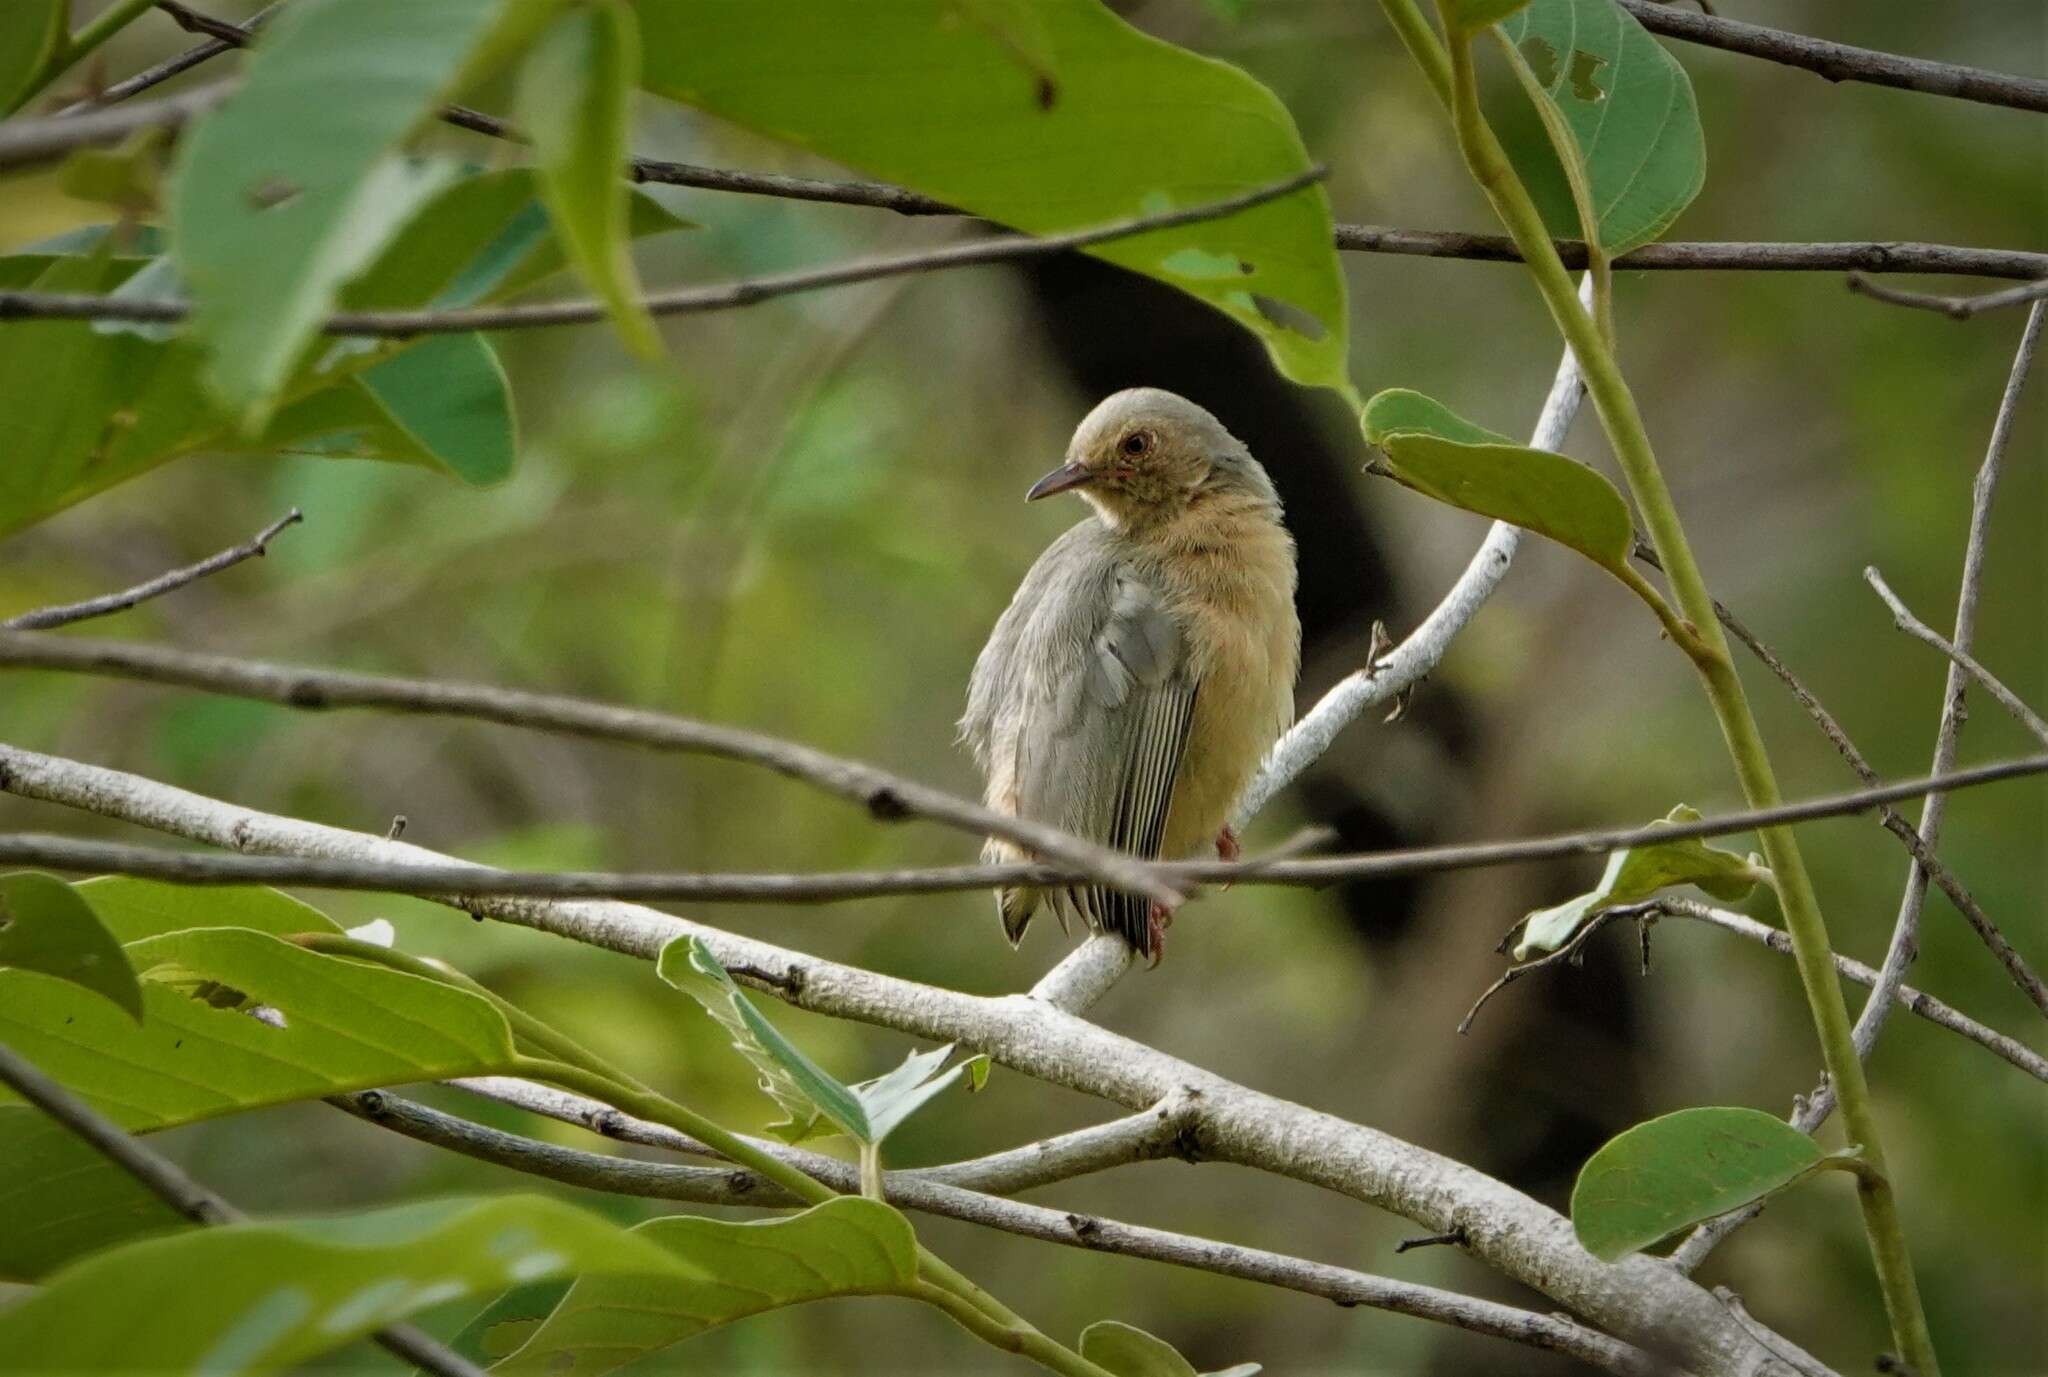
[1954, 307]
[1640, 1300]
[919, 1191]
[1903, 617]
[188, 1197]
[1840, 61]
[46, 617]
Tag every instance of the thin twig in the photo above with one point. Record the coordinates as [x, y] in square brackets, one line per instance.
[30, 305]
[46, 617]
[724, 1186]
[192, 21]
[1811, 1111]
[1893, 821]
[1840, 61]
[1569, 952]
[887, 796]
[187, 1196]
[1954, 307]
[464, 881]
[174, 66]
[1903, 618]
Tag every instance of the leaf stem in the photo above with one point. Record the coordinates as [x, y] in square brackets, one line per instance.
[1013, 1337]
[97, 30]
[1708, 650]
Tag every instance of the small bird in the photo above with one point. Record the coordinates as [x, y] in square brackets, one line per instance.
[1147, 661]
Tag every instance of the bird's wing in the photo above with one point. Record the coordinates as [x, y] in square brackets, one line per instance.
[1104, 698]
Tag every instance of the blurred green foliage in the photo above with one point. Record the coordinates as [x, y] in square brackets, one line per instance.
[806, 521]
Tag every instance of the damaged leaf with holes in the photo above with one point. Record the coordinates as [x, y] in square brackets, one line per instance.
[1621, 113]
[1638, 873]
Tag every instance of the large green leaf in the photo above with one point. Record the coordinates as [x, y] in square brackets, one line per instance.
[448, 404]
[134, 908]
[1628, 106]
[1435, 452]
[199, 1053]
[1047, 115]
[45, 926]
[574, 102]
[30, 31]
[844, 1247]
[1639, 872]
[292, 186]
[62, 1200]
[260, 1297]
[1660, 1177]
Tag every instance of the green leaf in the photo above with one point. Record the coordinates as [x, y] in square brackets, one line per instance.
[197, 1055]
[1477, 14]
[1639, 872]
[802, 1089]
[133, 909]
[1431, 450]
[261, 1297]
[1629, 107]
[1128, 1351]
[574, 102]
[46, 927]
[291, 186]
[30, 34]
[1673, 1172]
[844, 1247]
[1050, 115]
[890, 1099]
[62, 1200]
[449, 396]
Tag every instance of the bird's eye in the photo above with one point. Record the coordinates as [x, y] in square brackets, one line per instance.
[1136, 443]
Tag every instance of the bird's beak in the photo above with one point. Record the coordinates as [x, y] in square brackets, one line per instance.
[1060, 480]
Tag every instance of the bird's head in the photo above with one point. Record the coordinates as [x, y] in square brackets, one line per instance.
[1144, 455]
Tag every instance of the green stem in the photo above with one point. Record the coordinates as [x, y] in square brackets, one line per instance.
[1022, 1340]
[1709, 652]
[98, 30]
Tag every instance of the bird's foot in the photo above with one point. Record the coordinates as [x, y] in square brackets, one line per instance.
[1157, 920]
[1226, 844]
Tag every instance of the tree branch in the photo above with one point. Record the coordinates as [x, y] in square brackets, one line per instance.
[464, 881]
[25, 142]
[1154, 1134]
[1640, 1300]
[179, 64]
[187, 1196]
[1962, 659]
[65, 615]
[1840, 61]
[921, 1191]
[32, 305]
[1954, 307]
[888, 797]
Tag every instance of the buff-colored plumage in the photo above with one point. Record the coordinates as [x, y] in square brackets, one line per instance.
[1147, 661]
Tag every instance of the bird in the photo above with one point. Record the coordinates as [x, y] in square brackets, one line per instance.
[1147, 661]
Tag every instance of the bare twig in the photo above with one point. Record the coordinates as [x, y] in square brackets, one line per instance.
[1569, 952]
[1640, 1300]
[1893, 821]
[1150, 1135]
[46, 617]
[464, 881]
[192, 21]
[187, 1196]
[920, 1191]
[1904, 946]
[1954, 307]
[888, 797]
[1903, 617]
[1840, 61]
[24, 142]
[1915, 1001]
[177, 65]
[30, 305]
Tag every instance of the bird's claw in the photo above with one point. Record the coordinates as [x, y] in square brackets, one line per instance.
[1157, 920]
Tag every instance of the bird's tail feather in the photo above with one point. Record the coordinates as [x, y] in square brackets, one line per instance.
[1015, 907]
